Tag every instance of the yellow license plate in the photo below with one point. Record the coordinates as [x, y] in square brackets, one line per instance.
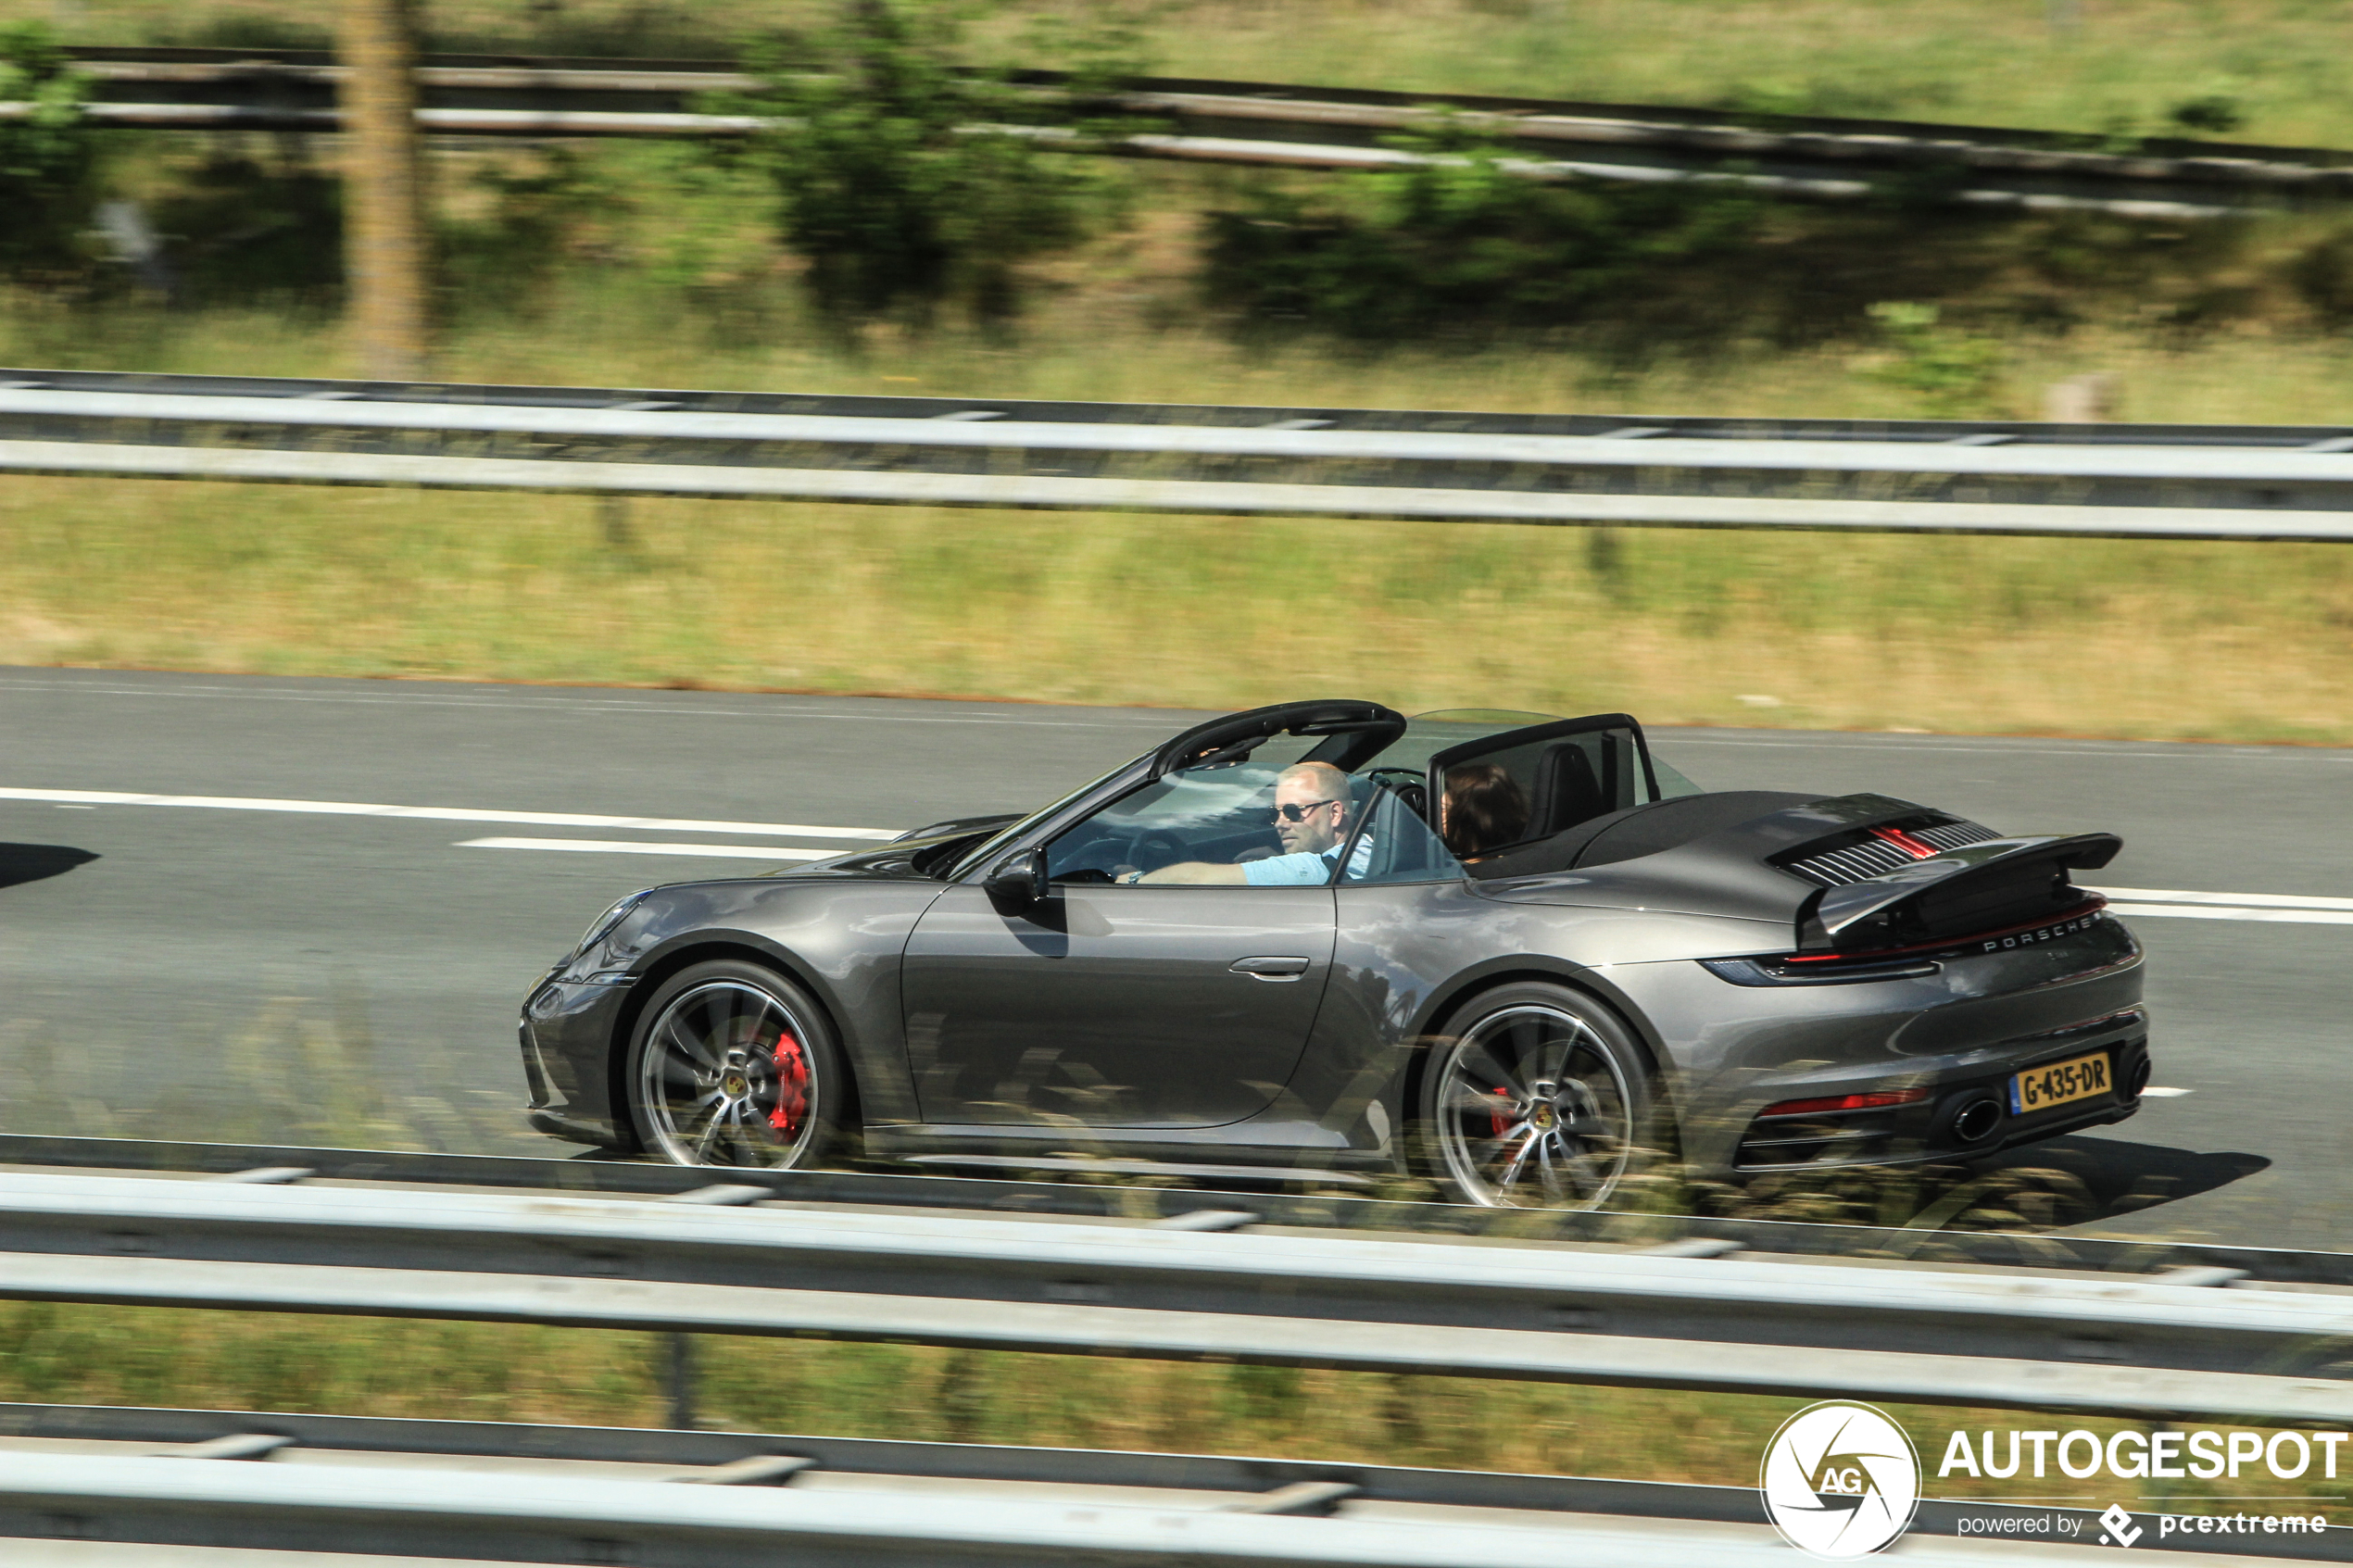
[2082, 1077]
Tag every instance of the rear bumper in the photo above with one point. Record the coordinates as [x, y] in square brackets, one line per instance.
[1963, 1118]
[1954, 1029]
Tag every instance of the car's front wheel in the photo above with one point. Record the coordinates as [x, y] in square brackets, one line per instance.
[1538, 1097]
[733, 1064]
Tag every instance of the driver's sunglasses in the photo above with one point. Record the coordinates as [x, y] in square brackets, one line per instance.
[1293, 811]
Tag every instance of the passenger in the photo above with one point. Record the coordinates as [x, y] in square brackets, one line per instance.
[1484, 809]
[1312, 818]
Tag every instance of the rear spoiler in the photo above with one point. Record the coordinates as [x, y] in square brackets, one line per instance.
[1877, 907]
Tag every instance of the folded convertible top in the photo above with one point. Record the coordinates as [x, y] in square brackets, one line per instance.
[1852, 873]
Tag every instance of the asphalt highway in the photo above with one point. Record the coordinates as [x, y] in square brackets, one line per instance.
[245, 952]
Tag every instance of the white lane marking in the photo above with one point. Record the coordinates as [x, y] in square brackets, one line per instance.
[2216, 911]
[446, 813]
[1669, 737]
[2243, 900]
[622, 846]
[2153, 1091]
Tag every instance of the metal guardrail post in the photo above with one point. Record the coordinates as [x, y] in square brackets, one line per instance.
[612, 519]
[681, 1380]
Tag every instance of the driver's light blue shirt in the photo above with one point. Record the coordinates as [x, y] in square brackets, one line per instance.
[1304, 869]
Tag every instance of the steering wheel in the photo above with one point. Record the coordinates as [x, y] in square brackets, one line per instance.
[1153, 848]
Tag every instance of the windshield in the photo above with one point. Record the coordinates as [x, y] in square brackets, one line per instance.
[1013, 830]
[1191, 802]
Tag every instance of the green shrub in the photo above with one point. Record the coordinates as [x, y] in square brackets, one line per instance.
[2322, 276]
[237, 227]
[2215, 114]
[1460, 241]
[1954, 374]
[48, 160]
[903, 179]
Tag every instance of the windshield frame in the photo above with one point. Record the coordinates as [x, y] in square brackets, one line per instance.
[1042, 826]
[1044, 822]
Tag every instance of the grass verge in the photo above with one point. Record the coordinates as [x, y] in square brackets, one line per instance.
[490, 1371]
[2155, 639]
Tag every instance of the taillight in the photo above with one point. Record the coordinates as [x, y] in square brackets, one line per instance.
[1835, 1103]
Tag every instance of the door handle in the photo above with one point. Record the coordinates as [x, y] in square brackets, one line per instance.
[1270, 968]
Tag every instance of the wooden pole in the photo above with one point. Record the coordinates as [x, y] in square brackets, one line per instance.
[386, 252]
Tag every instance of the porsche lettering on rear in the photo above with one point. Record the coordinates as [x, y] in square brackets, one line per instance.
[2042, 933]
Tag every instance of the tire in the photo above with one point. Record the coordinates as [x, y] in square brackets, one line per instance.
[733, 1064]
[1537, 1096]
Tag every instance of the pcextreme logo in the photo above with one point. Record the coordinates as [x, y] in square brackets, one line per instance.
[1839, 1481]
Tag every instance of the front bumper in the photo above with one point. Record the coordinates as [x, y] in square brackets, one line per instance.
[566, 1035]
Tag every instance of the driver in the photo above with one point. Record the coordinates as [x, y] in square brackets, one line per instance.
[1312, 812]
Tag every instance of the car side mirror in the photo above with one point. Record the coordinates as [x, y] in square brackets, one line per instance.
[1018, 884]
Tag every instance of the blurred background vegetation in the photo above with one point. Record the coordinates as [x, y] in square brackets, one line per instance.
[878, 250]
[2269, 70]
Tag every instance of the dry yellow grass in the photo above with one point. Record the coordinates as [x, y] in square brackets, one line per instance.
[2122, 65]
[2242, 642]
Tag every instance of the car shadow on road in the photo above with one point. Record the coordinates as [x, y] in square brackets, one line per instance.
[2116, 1176]
[32, 862]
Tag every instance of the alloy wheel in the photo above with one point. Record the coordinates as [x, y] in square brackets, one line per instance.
[726, 1077]
[1534, 1111]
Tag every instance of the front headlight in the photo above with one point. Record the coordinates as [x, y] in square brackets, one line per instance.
[602, 926]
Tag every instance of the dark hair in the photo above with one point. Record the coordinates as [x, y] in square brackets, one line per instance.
[1485, 807]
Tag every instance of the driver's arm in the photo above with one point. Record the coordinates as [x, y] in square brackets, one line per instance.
[1196, 872]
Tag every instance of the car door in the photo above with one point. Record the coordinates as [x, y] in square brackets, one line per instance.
[1116, 1003]
[1114, 1006]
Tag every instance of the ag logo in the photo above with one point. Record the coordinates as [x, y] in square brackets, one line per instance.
[1839, 1481]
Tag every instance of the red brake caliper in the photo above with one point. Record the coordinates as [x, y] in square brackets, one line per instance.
[792, 1086]
[1503, 1123]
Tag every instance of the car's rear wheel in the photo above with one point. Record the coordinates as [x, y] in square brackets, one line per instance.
[1538, 1098]
[733, 1064]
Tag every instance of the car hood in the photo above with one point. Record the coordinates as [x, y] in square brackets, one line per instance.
[917, 856]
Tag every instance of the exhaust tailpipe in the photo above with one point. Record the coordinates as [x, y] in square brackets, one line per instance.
[1976, 1121]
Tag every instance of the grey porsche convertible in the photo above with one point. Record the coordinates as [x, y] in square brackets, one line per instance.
[1514, 954]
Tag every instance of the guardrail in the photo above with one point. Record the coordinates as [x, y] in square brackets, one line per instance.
[1269, 123]
[721, 1260]
[2145, 480]
[1226, 1198]
[340, 1484]
[1262, 1278]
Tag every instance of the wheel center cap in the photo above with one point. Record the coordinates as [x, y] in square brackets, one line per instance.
[1542, 1114]
[734, 1086]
